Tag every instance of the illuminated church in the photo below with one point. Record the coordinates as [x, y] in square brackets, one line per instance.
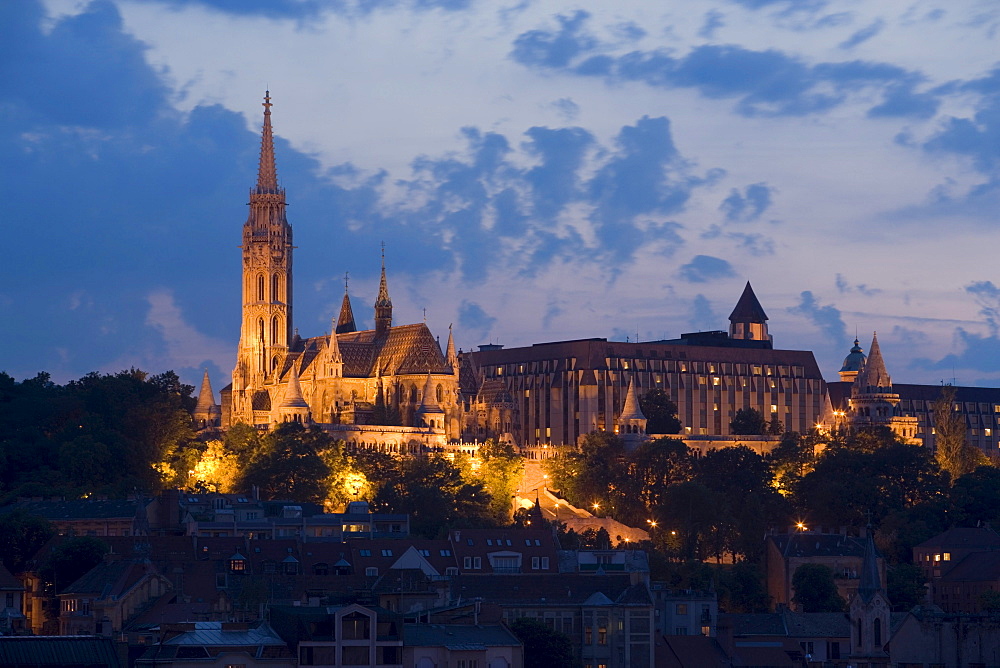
[395, 377]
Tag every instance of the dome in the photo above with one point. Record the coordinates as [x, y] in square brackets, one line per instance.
[854, 360]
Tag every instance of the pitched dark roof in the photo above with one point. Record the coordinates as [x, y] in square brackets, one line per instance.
[690, 652]
[806, 544]
[564, 589]
[89, 651]
[458, 636]
[964, 537]
[975, 567]
[748, 308]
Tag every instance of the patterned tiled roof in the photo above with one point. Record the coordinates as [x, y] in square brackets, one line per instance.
[405, 349]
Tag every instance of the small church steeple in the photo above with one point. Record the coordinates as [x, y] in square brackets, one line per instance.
[383, 305]
[451, 357]
[345, 323]
[267, 172]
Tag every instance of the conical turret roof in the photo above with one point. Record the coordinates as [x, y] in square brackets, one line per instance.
[293, 393]
[631, 409]
[345, 322]
[748, 308]
[873, 374]
[428, 402]
[206, 398]
[383, 288]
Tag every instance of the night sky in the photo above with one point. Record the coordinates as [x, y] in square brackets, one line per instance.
[538, 170]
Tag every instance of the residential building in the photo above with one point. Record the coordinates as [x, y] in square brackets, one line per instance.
[219, 645]
[461, 645]
[684, 612]
[343, 635]
[843, 554]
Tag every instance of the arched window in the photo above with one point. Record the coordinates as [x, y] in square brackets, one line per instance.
[260, 287]
[440, 394]
[274, 288]
[877, 632]
[274, 363]
[860, 630]
[260, 329]
[274, 331]
[413, 393]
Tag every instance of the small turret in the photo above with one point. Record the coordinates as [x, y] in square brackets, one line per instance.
[853, 363]
[748, 321]
[451, 357]
[207, 413]
[632, 422]
[293, 406]
[429, 412]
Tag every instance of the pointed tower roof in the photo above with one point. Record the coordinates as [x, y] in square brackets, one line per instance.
[748, 308]
[267, 172]
[293, 395]
[451, 357]
[428, 402]
[631, 410]
[383, 286]
[871, 580]
[206, 398]
[873, 374]
[333, 348]
[345, 323]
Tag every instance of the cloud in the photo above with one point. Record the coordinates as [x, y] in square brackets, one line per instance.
[714, 20]
[473, 318]
[826, 318]
[704, 268]
[844, 287]
[186, 347]
[567, 108]
[749, 205]
[978, 136]
[702, 316]
[764, 83]
[863, 35]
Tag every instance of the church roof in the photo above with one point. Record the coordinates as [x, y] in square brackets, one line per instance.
[402, 350]
[748, 308]
[293, 395]
[871, 581]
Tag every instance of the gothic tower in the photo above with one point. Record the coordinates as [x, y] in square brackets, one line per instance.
[267, 277]
[383, 305]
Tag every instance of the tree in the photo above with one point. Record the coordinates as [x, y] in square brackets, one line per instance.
[905, 586]
[657, 464]
[432, 490]
[790, 460]
[21, 535]
[500, 472]
[544, 647]
[660, 412]
[953, 451]
[743, 589]
[815, 589]
[71, 560]
[975, 496]
[289, 464]
[748, 422]
[775, 427]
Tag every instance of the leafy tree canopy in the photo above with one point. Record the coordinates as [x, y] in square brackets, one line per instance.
[815, 589]
[544, 647]
[748, 422]
[660, 412]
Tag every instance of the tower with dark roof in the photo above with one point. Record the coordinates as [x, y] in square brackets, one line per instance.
[870, 611]
[345, 321]
[748, 320]
[207, 413]
[383, 305]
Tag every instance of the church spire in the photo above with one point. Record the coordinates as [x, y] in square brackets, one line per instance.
[631, 409]
[267, 172]
[206, 398]
[383, 305]
[450, 356]
[293, 393]
[345, 323]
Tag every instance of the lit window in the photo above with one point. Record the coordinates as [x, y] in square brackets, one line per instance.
[947, 556]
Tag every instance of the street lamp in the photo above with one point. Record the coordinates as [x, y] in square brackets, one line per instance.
[596, 506]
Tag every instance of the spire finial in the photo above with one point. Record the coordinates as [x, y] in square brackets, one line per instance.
[267, 173]
[347, 275]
